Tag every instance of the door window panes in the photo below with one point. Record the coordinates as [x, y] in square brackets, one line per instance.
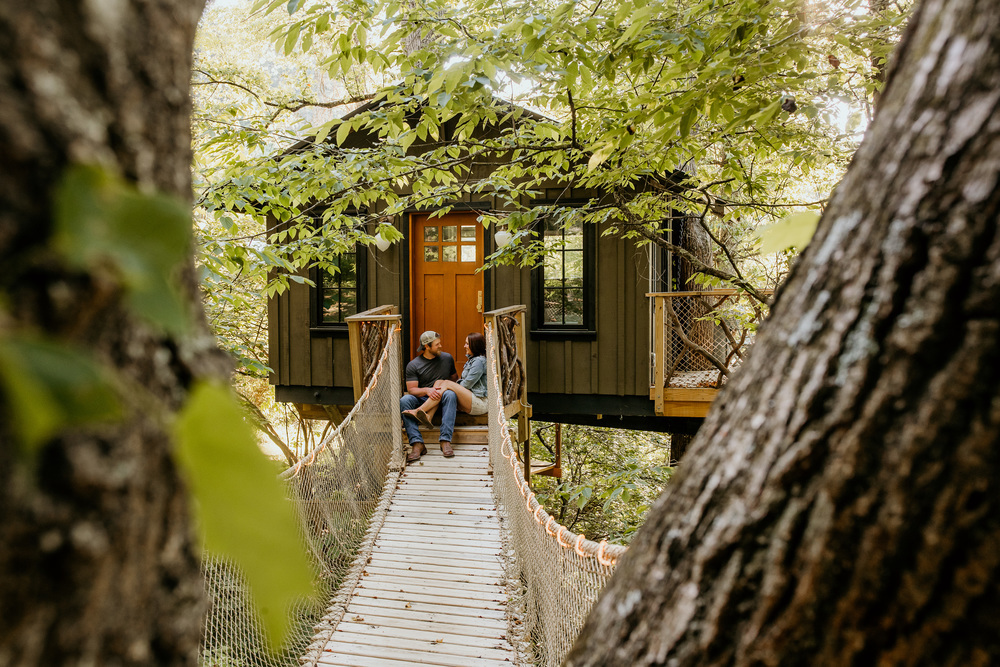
[430, 233]
[449, 253]
[468, 232]
[449, 233]
[430, 253]
[468, 253]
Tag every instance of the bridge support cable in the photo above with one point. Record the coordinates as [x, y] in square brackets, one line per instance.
[556, 574]
[342, 491]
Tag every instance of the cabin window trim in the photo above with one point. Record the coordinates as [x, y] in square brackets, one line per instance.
[316, 323]
[586, 329]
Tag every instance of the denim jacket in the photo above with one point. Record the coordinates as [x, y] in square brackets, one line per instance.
[474, 376]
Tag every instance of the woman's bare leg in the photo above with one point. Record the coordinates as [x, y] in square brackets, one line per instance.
[430, 406]
[426, 411]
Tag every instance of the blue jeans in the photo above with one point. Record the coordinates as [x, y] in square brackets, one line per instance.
[448, 408]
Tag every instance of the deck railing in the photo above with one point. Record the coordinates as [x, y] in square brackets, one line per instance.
[698, 339]
[368, 333]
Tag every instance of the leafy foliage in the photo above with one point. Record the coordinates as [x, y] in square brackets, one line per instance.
[610, 478]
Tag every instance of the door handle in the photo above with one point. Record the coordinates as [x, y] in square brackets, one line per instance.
[480, 306]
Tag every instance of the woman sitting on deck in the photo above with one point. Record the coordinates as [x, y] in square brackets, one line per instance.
[470, 388]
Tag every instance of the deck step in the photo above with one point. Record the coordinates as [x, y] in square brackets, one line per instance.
[462, 434]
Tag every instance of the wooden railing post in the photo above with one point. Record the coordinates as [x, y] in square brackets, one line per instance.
[354, 332]
[659, 353]
[524, 414]
[354, 337]
[523, 408]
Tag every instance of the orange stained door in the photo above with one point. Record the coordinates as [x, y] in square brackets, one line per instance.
[445, 291]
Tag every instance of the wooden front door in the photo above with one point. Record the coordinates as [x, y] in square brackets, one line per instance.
[446, 293]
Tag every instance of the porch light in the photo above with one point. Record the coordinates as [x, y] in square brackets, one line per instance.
[503, 237]
[381, 243]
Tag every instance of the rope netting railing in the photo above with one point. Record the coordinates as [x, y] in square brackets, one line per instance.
[557, 574]
[341, 491]
[702, 336]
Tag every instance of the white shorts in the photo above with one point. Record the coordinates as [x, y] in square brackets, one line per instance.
[479, 406]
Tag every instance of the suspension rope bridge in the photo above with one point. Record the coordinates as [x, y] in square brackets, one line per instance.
[443, 562]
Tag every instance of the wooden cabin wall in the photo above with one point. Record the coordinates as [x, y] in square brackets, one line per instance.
[615, 363]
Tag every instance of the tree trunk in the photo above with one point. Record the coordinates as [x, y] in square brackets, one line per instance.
[839, 505]
[97, 560]
[690, 311]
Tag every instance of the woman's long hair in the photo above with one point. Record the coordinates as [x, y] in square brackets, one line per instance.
[477, 344]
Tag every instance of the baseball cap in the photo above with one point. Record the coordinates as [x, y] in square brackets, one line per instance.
[426, 338]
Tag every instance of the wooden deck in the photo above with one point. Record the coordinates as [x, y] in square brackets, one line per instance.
[432, 592]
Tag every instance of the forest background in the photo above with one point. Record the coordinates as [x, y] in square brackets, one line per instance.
[758, 106]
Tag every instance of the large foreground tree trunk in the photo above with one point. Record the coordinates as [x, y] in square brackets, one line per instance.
[840, 505]
[97, 565]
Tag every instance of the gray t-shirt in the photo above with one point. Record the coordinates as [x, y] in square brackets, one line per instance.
[427, 371]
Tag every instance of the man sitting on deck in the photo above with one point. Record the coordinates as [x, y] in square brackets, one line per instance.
[429, 366]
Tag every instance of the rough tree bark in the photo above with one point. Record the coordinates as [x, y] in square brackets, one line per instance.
[97, 565]
[839, 505]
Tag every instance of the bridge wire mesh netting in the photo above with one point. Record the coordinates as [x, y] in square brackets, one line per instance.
[556, 574]
[341, 491]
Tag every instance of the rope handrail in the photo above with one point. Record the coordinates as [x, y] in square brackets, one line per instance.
[348, 420]
[341, 492]
[608, 554]
[560, 572]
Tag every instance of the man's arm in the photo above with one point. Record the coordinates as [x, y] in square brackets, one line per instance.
[413, 387]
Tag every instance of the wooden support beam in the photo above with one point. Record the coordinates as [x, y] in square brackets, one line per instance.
[659, 354]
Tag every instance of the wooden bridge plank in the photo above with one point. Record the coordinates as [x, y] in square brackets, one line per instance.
[384, 657]
[421, 607]
[476, 566]
[444, 589]
[428, 644]
[372, 619]
[434, 535]
[461, 623]
[443, 520]
[386, 545]
[441, 482]
[434, 571]
[388, 579]
[380, 633]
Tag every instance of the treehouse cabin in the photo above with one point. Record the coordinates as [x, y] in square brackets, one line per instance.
[604, 335]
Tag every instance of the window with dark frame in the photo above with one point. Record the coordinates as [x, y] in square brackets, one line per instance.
[337, 289]
[563, 284]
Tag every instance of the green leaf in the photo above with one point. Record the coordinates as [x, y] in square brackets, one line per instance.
[599, 156]
[795, 230]
[293, 5]
[241, 505]
[104, 224]
[291, 38]
[687, 120]
[342, 132]
[51, 386]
